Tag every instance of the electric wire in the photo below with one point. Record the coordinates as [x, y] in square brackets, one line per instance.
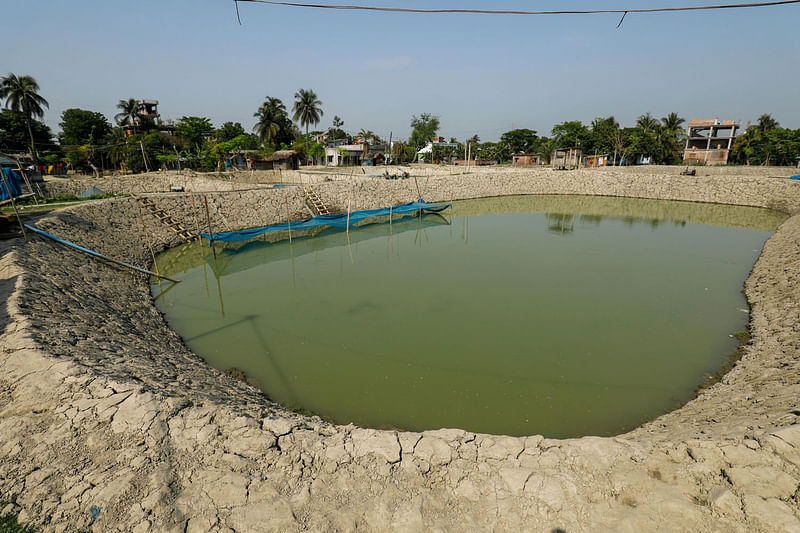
[521, 12]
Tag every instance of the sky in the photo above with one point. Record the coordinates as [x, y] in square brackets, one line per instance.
[480, 74]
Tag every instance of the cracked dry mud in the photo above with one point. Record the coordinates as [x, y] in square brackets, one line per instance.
[108, 423]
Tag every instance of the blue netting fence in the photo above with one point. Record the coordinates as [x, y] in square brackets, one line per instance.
[357, 218]
[13, 179]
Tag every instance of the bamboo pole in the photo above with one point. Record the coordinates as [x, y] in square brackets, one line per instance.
[97, 254]
[194, 209]
[210, 231]
[149, 244]
[349, 198]
[288, 220]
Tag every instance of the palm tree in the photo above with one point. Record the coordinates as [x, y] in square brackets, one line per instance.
[766, 122]
[20, 93]
[366, 137]
[673, 123]
[671, 136]
[307, 108]
[271, 119]
[129, 113]
[647, 123]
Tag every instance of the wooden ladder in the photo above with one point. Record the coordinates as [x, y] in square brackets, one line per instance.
[164, 218]
[315, 202]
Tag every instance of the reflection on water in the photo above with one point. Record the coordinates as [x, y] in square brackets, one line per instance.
[561, 316]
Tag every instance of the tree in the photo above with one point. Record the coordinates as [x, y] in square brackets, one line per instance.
[15, 132]
[766, 123]
[519, 140]
[670, 139]
[570, 134]
[273, 125]
[128, 114]
[79, 126]
[423, 129]
[21, 95]
[307, 108]
[335, 132]
[195, 129]
[603, 135]
[366, 136]
[229, 131]
[647, 123]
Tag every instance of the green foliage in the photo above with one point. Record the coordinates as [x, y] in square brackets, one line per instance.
[605, 135]
[194, 129]
[423, 129]
[14, 135]
[767, 144]
[307, 147]
[336, 132]
[229, 131]
[571, 134]
[128, 112]
[79, 126]
[220, 151]
[519, 140]
[307, 108]
[21, 94]
[273, 126]
[9, 524]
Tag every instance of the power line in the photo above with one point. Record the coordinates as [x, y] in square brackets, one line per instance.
[517, 12]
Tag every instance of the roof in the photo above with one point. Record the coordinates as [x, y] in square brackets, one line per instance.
[282, 155]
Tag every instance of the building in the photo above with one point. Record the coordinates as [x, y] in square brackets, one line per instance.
[147, 117]
[710, 141]
[597, 161]
[284, 160]
[567, 159]
[425, 154]
[526, 160]
[339, 153]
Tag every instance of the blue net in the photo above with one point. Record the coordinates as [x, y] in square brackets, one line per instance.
[357, 218]
[13, 178]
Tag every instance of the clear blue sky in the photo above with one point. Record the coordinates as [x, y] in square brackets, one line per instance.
[479, 73]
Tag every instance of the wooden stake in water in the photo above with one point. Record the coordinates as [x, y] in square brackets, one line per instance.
[288, 220]
[210, 231]
[149, 244]
[349, 199]
[390, 211]
[194, 209]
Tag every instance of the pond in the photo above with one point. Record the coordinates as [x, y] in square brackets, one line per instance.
[555, 315]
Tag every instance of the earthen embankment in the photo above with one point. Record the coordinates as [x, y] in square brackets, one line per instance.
[108, 422]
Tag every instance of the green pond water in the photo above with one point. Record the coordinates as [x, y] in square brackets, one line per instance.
[555, 315]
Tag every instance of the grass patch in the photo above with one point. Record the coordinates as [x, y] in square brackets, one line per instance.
[9, 524]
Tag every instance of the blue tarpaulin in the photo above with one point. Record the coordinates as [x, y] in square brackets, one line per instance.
[13, 179]
[797, 177]
[333, 221]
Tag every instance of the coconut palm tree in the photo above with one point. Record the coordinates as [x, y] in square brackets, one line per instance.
[271, 117]
[670, 137]
[21, 95]
[307, 108]
[766, 122]
[129, 112]
[673, 123]
[647, 123]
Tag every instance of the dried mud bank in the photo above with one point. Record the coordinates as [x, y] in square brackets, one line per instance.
[107, 422]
